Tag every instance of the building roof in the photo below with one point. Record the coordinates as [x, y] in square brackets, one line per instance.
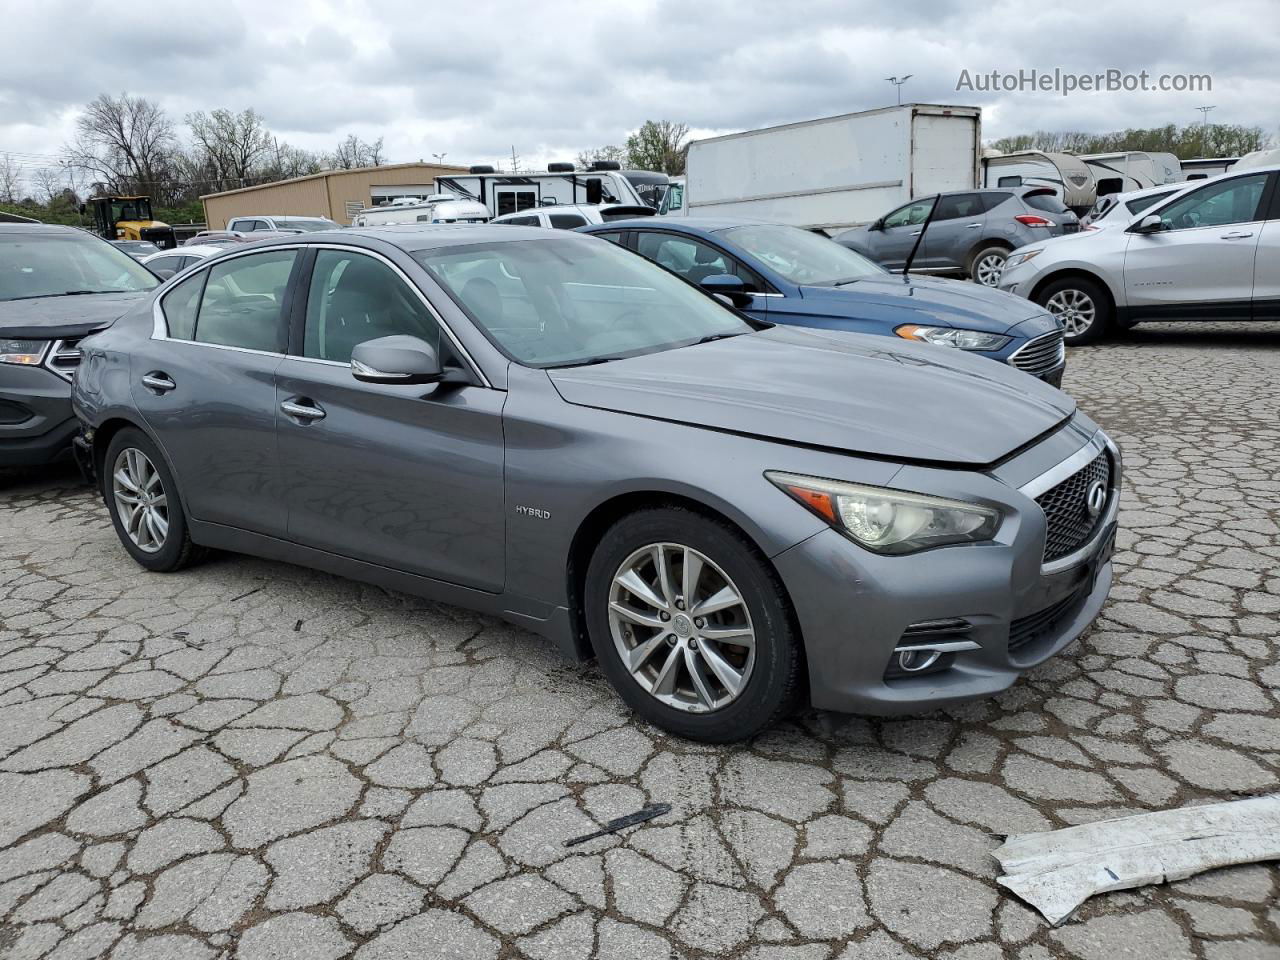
[323, 174]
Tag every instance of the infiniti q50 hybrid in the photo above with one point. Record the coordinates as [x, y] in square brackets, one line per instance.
[731, 516]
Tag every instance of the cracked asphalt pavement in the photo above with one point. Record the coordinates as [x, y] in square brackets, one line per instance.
[252, 760]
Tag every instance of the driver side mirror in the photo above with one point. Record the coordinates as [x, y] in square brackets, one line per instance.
[728, 286]
[1151, 223]
[397, 359]
[877, 224]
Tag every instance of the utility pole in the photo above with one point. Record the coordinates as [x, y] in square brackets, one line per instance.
[1204, 129]
[897, 84]
[515, 160]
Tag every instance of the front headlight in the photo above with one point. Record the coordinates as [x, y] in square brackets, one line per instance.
[951, 337]
[28, 353]
[890, 521]
[1022, 256]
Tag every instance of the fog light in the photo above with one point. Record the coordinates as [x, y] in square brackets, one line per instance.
[917, 661]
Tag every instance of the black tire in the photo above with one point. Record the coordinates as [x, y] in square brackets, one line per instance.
[775, 681]
[1078, 331]
[177, 550]
[988, 251]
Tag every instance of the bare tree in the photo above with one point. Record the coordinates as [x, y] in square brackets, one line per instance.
[285, 161]
[230, 146]
[610, 152]
[10, 179]
[49, 182]
[125, 143]
[354, 152]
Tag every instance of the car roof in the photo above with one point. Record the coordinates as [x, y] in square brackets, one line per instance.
[680, 224]
[37, 228]
[414, 236]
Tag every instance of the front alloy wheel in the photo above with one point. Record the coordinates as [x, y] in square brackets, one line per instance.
[141, 501]
[681, 627]
[1076, 308]
[989, 267]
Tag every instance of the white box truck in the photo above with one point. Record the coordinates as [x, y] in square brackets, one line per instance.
[836, 172]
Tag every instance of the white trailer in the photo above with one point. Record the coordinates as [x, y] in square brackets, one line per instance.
[836, 172]
[1202, 168]
[1132, 170]
[504, 193]
[1067, 176]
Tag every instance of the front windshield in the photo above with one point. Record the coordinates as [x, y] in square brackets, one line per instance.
[306, 226]
[54, 265]
[800, 256]
[565, 301]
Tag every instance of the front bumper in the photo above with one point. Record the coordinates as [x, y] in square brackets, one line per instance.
[36, 422]
[855, 608]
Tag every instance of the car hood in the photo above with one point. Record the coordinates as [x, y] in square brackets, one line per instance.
[930, 301]
[857, 393]
[51, 318]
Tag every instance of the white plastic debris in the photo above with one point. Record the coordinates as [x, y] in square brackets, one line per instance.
[1057, 871]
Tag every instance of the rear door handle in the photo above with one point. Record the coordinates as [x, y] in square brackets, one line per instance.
[157, 381]
[302, 410]
[917, 233]
[1237, 235]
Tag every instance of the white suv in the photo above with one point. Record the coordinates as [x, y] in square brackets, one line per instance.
[566, 216]
[1211, 252]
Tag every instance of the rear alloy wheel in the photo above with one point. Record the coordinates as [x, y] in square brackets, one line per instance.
[987, 265]
[143, 501]
[691, 625]
[1082, 306]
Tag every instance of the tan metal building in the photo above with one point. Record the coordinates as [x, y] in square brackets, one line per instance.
[336, 194]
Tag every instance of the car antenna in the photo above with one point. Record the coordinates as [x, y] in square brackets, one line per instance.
[920, 236]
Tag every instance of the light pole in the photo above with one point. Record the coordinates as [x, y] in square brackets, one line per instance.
[439, 157]
[1204, 128]
[897, 84]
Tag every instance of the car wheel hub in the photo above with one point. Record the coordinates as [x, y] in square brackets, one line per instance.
[141, 501]
[989, 269]
[1075, 308]
[697, 661]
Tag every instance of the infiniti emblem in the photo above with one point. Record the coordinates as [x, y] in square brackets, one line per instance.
[1095, 498]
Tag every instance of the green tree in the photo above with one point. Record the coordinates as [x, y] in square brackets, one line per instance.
[658, 145]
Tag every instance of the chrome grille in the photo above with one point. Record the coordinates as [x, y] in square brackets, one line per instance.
[1065, 508]
[64, 357]
[1046, 352]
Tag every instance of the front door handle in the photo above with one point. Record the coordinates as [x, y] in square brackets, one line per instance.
[157, 381]
[974, 226]
[307, 410]
[917, 233]
[1237, 235]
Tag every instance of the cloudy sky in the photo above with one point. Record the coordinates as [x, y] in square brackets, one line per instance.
[473, 79]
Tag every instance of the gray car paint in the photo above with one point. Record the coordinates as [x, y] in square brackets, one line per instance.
[955, 431]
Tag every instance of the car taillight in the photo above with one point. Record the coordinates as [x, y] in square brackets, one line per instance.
[1031, 220]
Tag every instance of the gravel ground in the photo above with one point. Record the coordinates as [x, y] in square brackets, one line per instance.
[254, 760]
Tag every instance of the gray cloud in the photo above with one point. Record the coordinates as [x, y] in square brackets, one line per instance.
[473, 80]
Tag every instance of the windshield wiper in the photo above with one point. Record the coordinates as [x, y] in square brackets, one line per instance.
[580, 363]
[712, 337]
[66, 293]
[846, 281]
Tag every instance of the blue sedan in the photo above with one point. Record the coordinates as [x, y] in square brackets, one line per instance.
[786, 275]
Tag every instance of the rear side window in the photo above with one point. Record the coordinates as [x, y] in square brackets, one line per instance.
[990, 201]
[957, 205]
[567, 221]
[1047, 202]
[242, 302]
[179, 307]
[613, 236]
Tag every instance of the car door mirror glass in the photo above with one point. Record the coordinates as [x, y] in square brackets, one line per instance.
[728, 286]
[396, 359]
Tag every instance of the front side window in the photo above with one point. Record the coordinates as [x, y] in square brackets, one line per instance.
[800, 256]
[564, 300]
[243, 301]
[686, 256]
[913, 214]
[354, 298]
[1138, 204]
[57, 264]
[1233, 201]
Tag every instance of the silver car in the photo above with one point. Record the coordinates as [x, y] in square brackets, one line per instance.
[1208, 252]
[733, 517]
[970, 235]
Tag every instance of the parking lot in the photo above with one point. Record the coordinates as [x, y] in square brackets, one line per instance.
[255, 760]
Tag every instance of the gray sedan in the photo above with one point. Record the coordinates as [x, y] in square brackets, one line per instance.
[732, 517]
